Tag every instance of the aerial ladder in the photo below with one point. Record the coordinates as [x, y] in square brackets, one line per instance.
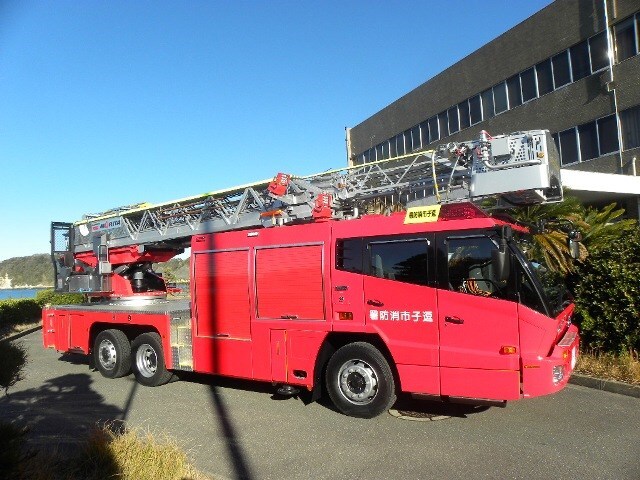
[109, 255]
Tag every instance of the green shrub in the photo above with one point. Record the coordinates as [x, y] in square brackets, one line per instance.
[20, 311]
[608, 296]
[13, 360]
[49, 297]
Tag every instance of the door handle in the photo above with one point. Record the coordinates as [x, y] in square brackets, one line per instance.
[375, 303]
[456, 320]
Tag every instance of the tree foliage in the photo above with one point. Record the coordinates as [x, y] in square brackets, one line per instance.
[175, 270]
[13, 360]
[608, 296]
[31, 270]
[605, 280]
[598, 227]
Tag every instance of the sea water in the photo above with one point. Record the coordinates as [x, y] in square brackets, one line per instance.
[13, 293]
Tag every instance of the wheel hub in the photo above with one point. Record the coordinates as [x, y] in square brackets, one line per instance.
[146, 360]
[107, 354]
[358, 382]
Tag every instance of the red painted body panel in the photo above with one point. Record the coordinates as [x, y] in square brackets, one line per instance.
[264, 302]
[221, 290]
[470, 352]
[68, 328]
[289, 282]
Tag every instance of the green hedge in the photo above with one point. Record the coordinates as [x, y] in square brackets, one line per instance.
[49, 297]
[16, 312]
[28, 310]
[608, 297]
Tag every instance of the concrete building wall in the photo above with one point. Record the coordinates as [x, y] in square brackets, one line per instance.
[555, 28]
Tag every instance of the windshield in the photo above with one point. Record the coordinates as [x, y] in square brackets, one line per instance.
[550, 283]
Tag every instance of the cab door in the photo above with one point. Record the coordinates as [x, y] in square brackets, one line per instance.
[479, 338]
[400, 305]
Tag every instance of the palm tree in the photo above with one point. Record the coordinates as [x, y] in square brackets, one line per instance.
[598, 227]
[605, 226]
[549, 241]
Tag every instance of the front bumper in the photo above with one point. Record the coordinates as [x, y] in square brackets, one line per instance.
[545, 375]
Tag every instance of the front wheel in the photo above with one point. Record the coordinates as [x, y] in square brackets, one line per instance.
[359, 381]
[148, 360]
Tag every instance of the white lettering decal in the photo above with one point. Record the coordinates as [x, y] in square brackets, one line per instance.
[401, 316]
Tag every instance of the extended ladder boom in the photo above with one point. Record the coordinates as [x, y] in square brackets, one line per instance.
[519, 168]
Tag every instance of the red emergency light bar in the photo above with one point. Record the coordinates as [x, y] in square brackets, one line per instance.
[460, 211]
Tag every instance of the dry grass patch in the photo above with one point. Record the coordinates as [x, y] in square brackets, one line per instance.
[623, 368]
[111, 452]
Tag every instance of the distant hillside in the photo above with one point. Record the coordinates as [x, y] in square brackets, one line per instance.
[27, 271]
[37, 270]
[175, 270]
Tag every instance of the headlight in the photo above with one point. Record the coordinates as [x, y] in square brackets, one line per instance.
[558, 373]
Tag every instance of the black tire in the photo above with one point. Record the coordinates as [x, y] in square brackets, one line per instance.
[148, 360]
[360, 381]
[112, 353]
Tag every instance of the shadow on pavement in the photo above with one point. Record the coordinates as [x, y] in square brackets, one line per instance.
[60, 413]
[411, 406]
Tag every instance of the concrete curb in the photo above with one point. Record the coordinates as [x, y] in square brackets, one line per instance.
[576, 378]
[21, 334]
[606, 385]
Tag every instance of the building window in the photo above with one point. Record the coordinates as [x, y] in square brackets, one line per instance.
[424, 133]
[580, 61]
[568, 147]
[378, 153]
[588, 136]
[599, 52]
[500, 98]
[528, 82]
[545, 77]
[443, 122]
[487, 104]
[513, 89]
[626, 39]
[630, 120]
[401, 142]
[463, 109]
[475, 109]
[416, 140]
[608, 135]
[434, 132]
[594, 139]
[561, 70]
[454, 125]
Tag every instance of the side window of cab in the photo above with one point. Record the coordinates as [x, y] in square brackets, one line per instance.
[470, 267]
[402, 260]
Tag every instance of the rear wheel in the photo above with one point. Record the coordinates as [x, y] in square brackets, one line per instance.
[359, 381]
[112, 353]
[148, 365]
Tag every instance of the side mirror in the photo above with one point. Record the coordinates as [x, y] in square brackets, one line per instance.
[501, 260]
[574, 238]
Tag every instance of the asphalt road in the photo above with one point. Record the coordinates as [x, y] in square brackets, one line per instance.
[239, 430]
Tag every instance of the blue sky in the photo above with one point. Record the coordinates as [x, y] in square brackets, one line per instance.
[108, 103]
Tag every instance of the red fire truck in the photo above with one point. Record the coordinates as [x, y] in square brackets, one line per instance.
[294, 283]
